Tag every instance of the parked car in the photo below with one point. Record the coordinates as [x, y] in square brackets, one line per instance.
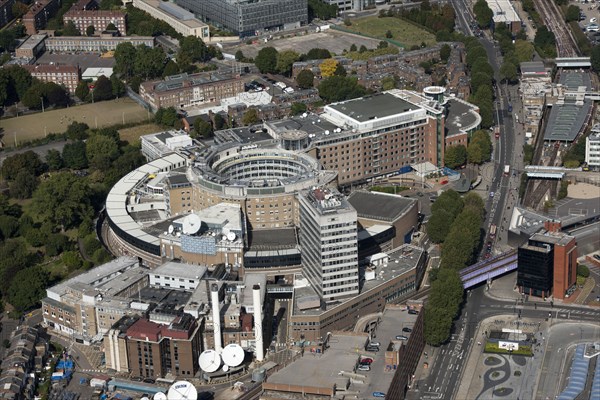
[374, 349]
[414, 312]
[401, 337]
[149, 380]
[374, 343]
[379, 394]
[364, 367]
[406, 330]
[366, 360]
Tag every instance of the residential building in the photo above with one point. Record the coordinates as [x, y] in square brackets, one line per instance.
[155, 350]
[6, 14]
[22, 356]
[38, 15]
[185, 90]
[94, 44]
[32, 47]
[328, 239]
[250, 17]
[99, 19]
[64, 75]
[547, 263]
[351, 5]
[180, 19]
[592, 150]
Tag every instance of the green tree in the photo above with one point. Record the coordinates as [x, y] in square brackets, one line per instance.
[219, 122]
[56, 243]
[19, 9]
[55, 94]
[33, 96]
[125, 55]
[70, 29]
[480, 79]
[250, 117]
[595, 58]
[475, 153]
[508, 71]
[388, 34]
[19, 80]
[24, 184]
[449, 201]
[524, 50]
[474, 202]
[298, 108]
[239, 56]
[305, 79]
[28, 161]
[203, 128]
[439, 226]
[572, 13]
[388, 82]
[28, 288]
[363, 49]
[583, 270]
[117, 86]
[77, 131]
[564, 190]
[103, 89]
[285, 60]
[101, 151]
[191, 50]
[13, 258]
[266, 60]
[74, 155]
[482, 65]
[72, 260]
[320, 9]
[63, 200]
[455, 156]
[171, 68]
[82, 91]
[9, 226]
[54, 160]
[338, 88]
[483, 13]
[149, 62]
[90, 30]
[166, 116]
[445, 52]
[475, 53]
[319, 54]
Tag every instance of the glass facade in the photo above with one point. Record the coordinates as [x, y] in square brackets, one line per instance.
[535, 274]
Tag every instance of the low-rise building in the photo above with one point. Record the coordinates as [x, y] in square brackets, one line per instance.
[32, 47]
[38, 15]
[64, 75]
[84, 14]
[19, 362]
[185, 90]
[95, 44]
[180, 19]
[592, 150]
[157, 145]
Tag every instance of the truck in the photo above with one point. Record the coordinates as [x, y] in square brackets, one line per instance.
[506, 170]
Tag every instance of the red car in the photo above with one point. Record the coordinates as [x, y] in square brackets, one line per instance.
[366, 361]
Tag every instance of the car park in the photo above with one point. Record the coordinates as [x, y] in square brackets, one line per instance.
[364, 367]
[406, 330]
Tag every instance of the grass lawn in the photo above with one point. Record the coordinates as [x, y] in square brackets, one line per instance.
[132, 135]
[402, 31]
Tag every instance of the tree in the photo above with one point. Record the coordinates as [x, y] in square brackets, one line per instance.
[149, 62]
[480, 79]
[56, 244]
[305, 79]
[70, 29]
[55, 94]
[14, 257]
[382, 45]
[117, 86]
[250, 117]
[101, 151]
[239, 56]
[9, 226]
[572, 13]
[595, 58]
[171, 68]
[482, 65]
[19, 79]
[28, 161]
[203, 128]
[338, 88]
[483, 13]
[583, 271]
[523, 50]
[298, 108]
[317, 54]
[74, 155]
[353, 47]
[63, 200]
[77, 131]
[449, 201]
[219, 122]
[24, 184]
[28, 287]
[508, 71]
[82, 91]
[54, 160]
[33, 96]
[191, 50]
[455, 156]
[388, 34]
[266, 60]
[340, 70]
[125, 55]
[474, 201]
[388, 82]
[102, 89]
[445, 52]
[363, 49]
[285, 60]
[439, 226]
[482, 139]
[90, 30]
[328, 67]
[475, 53]
[320, 9]
[166, 116]
[19, 9]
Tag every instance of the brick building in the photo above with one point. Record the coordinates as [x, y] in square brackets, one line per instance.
[6, 14]
[38, 15]
[65, 75]
[94, 43]
[99, 19]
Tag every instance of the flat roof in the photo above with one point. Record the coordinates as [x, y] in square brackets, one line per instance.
[33, 41]
[181, 270]
[503, 11]
[533, 67]
[264, 239]
[323, 370]
[461, 117]
[566, 120]
[243, 135]
[377, 205]
[559, 238]
[575, 79]
[372, 107]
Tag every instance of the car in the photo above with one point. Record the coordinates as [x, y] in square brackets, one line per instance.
[366, 360]
[401, 337]
[374, 343]
[489, 246]
[374, 349]
[137, 379]
[597, 256]
[379, 394]
[492, 194]
[420, 194]
[593, 20]
[406, 330]
[413, 312]
[364, 367]
[149, 380]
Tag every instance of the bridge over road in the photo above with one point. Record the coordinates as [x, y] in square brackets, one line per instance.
[486, 270]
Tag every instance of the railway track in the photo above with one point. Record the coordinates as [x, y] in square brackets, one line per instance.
[552, 17]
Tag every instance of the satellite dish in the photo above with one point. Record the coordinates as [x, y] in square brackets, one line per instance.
[231, 236]
[160, 396]
[233, 355]
[225, 231]
[225, 368]
[182, 390]
[191, 224]
[209, 361]
[171, 229]
[145, 398]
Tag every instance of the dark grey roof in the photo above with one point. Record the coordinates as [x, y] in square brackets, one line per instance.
[566, 121]
[532, 67]
[371, 107]
[179, 179]
[164, 136]
[387, 207]
[573, 79]
[272, 238]
[459, 115]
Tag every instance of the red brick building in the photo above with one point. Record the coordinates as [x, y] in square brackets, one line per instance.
[84, 14]
[65, 75]
[38, 15]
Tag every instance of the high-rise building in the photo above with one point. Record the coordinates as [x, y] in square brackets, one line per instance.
[246, 17]
[548, 263]
[329, 244]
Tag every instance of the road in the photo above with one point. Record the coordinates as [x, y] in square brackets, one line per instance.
[41, 150]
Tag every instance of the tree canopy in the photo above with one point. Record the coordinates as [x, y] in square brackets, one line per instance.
[266, 60]
[305, 79]
[339, 88]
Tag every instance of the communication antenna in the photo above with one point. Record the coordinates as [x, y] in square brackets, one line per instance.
[171, 229]
[182, 390]
[191, 224]
[233, 355]
[231, 236]
[160, 396]
[209, 361]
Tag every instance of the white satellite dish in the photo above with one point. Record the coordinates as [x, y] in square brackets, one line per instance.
[145, 398]
[231, 236]
[191, 224]
[225, 231]
[233, 355]
[171, 229]
[182, 390]
[209, 361]
[160, 396]
[225, 368]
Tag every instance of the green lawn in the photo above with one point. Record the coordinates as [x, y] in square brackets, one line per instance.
[402, 31]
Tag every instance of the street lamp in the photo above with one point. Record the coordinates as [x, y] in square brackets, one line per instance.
[42, 99]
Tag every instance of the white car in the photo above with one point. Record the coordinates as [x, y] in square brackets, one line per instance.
[364, 367]
[491, 194]
[593, 20]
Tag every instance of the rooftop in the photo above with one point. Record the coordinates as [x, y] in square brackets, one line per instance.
[260, 239]
[325, 200]
[373, 107]
[32, 41]
[461, 117]
[557, 238]
[533, 68]
[566, 120]
[180, 270]
[243, 135]
[176, 82]
[382, 206]
[503, 11]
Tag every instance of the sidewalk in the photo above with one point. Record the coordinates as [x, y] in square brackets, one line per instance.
[504, 288]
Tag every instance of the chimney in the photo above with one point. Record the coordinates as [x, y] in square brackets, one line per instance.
[256, 300]
[214, 299]
[552, 226]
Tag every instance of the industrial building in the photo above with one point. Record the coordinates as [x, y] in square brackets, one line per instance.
[250, 17]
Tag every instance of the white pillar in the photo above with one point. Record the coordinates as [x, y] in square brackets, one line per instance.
[257, 302]
[214, 299]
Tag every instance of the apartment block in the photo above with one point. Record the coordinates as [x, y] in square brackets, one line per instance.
[38, 15]
[33, 46]
[64, 75]
[99, 19]
[6, 14]
[180, 19]
[94, 44]
[592, 150]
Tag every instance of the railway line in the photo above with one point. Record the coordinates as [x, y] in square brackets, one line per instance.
[552, 17]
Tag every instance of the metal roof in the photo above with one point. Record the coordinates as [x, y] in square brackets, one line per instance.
[566, 121]
[578, 377]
